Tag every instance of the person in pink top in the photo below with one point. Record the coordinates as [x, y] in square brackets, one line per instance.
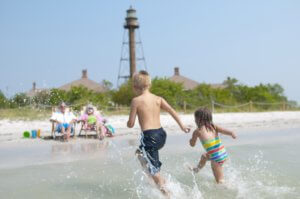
[93, 121]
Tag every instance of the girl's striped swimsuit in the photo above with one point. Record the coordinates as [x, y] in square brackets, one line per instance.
[215, 150]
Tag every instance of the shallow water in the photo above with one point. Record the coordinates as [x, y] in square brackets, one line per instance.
[262, 164]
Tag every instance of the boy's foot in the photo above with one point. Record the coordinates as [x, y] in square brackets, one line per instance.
[165, 192]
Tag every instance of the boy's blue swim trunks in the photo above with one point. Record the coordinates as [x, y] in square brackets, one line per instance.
[151, 141]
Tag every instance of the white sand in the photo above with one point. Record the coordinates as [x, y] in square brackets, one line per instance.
[13, 130]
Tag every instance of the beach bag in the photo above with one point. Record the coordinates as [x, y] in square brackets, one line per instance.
[110, 128]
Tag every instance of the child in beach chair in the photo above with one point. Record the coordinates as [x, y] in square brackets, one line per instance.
[63, 122]
[207, 132]
[92, 120]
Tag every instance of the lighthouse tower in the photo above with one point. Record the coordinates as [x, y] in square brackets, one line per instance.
[132, 50]
[131, 24]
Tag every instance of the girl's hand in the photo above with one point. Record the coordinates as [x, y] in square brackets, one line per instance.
[233, 135]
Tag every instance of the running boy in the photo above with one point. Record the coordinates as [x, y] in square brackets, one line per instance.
[147, 107]
[207, 132]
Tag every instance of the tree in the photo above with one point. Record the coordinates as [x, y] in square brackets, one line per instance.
[171, 91]
[79, 94]
[57, 96]
[230, 82]
[124, 94]
[42, 97]
[20, 99]
[107, 84]
[3, 100]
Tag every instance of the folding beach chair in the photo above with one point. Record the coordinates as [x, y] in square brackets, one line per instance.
[92, 129]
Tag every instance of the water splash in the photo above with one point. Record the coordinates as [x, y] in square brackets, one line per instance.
[254, 178]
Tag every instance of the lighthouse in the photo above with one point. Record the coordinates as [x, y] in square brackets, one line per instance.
[131, 24]
[132, 52]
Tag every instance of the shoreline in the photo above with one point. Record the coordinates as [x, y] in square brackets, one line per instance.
[12, 131]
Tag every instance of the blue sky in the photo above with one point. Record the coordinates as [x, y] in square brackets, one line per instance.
[50, 42]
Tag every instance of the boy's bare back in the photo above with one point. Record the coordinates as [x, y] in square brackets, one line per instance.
[148, 110]
[147, 106]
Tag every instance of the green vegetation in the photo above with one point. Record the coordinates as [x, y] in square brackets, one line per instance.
[25, 114]
[232, 96]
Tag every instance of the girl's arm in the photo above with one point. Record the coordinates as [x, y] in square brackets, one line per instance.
[225, 132]
[165, 106]
[193, 140]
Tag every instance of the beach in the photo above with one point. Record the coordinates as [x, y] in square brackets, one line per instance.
[262, 161]
[12, 130]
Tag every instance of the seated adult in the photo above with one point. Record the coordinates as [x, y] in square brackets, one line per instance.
[93, 121]
[65, 120]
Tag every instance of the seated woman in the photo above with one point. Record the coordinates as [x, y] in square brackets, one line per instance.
[92, 120]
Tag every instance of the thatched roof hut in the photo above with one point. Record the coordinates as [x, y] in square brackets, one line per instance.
[34, 90]
[86, 82]
[187, 83]
[190, 84]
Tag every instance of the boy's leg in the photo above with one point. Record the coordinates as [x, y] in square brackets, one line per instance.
[157, 178]
[153, 157]
[161, 183]
[151, 142]
[217, 171]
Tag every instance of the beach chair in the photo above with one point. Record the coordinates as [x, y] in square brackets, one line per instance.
[54, 129]
[92, 129]
[108, 130]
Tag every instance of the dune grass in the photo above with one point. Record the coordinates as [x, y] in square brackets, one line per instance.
[42, 114]
[25, 114]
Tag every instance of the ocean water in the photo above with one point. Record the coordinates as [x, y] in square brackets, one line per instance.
[262, 164]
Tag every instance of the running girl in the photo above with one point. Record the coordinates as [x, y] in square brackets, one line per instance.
[207, 132]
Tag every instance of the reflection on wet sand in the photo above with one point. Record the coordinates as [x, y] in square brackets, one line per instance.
[132, 142]
[78, 148]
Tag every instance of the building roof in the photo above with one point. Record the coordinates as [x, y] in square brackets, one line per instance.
[86, 82]
[34, 91]
[188, 84]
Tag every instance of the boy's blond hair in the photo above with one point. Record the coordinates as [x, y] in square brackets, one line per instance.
[142, 80]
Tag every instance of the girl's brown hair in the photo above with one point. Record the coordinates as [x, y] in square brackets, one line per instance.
[203, 117]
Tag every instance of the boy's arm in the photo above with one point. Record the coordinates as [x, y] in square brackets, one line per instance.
[132, 115]
[193, 140]
[226, 132]
[165, 106]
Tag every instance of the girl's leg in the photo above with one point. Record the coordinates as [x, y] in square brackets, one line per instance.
[201, 163]
[217, 171]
